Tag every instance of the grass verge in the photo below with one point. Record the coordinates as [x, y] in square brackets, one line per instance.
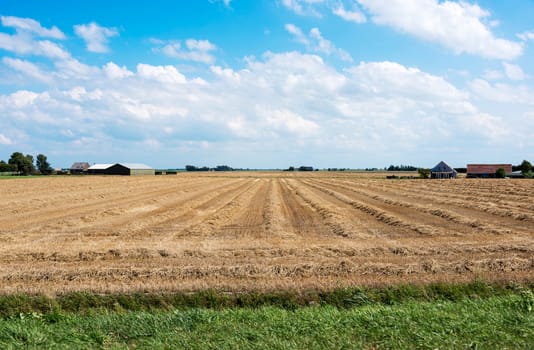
[82, 302]
[491, 323]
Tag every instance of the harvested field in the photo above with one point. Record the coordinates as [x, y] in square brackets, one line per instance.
[259, 232]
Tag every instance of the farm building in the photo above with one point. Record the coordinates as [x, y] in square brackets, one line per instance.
[98, 169]
[443, 171]
[79, 168]
[487, 170]
[121, 169]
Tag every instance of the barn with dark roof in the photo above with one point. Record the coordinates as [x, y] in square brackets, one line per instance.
[443, 171]
[79, 168]
[121, 169]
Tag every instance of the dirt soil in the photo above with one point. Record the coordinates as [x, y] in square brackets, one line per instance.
[252, 231]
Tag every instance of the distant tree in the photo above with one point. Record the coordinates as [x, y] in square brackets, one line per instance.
[291, 168]
[401, 168]
[42, 165]
[5, 167]
[424, 173]
[526, 167]
[23, 163]
[500, 173]
[191, 168]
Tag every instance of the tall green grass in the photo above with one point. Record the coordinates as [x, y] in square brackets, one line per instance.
[212, 299]
[503, 322]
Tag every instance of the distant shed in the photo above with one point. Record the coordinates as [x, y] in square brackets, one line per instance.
[130, 169]
[79, 168]
[487, 170]
[121, 169]
[98, 169]
[443, 171]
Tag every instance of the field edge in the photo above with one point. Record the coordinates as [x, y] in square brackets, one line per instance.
[347, 297]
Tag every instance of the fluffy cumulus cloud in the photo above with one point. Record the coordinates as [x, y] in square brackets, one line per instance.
[513, 71]
[287, 101]
[194, 50]
[303, 7]
[460, 26]
[4, 140]
[354, 15]
[113, 71]
[503, 93]
[526, 36]
[31, 26]
[289, 107]
[315, 42]
[27, 68]
[96, 37]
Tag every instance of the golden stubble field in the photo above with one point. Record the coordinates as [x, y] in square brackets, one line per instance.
[259, 232]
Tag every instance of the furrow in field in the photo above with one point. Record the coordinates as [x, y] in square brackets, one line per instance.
[252, 220]
[203, 217]
[298, 216]
[459, 224]
[169, 216]
[387, 214]
[103, 206]
[220, 223]
[337, 215]
[468, 211]
[518, 207]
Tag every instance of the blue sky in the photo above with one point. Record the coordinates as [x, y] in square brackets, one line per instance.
[268, 84]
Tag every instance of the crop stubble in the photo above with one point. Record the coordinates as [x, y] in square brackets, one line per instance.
[259, 232]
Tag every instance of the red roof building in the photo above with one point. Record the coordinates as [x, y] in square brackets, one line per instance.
[487, 170]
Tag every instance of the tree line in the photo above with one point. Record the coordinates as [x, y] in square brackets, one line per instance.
[24, 164]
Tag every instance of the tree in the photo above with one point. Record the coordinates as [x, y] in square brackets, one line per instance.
[500, 173]
[42, 165]
[526, 168]
[424, 173]
[23, 163]
[5, 167]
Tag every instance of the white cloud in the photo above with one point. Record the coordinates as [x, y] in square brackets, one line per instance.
[197, 50]
[494, 128]
[286, 121]
[95, 36]
[113, 71]
[493, 75]
[24, 44]
[27, 68]
[457, 25]
[71, 68]
[303, 7]
[513, 71]
[4, 140]
[503, 93]
[297, 33]
[162, 74]
[199, 45]
[23, 98]
[355, 15]
[283, 104]
[315, 42]
[526, 36]
[31, 26]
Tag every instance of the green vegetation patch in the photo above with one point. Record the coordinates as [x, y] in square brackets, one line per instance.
[343, 298]
[492, 323]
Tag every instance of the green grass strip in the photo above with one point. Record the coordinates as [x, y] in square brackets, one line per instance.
[503, 322]
[11, 305]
